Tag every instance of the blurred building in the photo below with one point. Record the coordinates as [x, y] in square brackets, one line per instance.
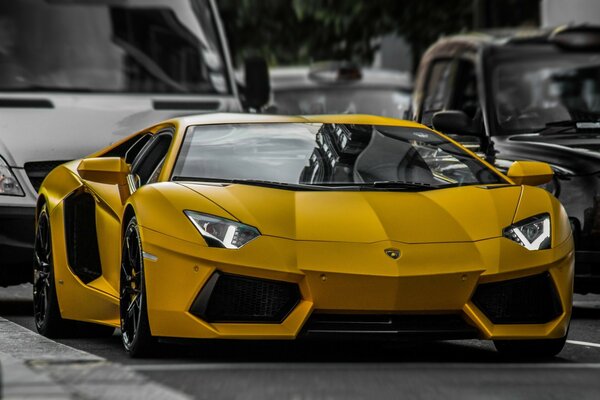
[560, 12]
[394, 53]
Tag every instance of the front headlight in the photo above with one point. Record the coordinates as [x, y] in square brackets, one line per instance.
[222, 232]
[532, 233]
[9, 186]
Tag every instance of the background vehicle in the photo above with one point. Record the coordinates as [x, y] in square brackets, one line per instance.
[77, 75]
[334, 88]
[527, 95]
[271, 227]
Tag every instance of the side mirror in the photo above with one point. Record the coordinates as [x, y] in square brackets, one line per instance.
[108, 170]
[258, 85]
[454, 122]
[532, 173]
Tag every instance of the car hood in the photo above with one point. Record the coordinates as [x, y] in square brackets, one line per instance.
[445, 215]
[44, 127]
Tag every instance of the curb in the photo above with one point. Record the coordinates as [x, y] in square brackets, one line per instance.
[35, 367]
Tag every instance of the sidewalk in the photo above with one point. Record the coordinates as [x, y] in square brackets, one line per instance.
[34, 367]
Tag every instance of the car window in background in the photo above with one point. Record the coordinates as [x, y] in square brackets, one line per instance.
[465, 97]
[137, 46]
[322, 154]
[340, 100]
[437, 89]
[530, 93]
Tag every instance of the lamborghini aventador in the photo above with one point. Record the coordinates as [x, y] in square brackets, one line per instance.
[233, 226]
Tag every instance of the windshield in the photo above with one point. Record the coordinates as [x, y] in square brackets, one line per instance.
[334, 100]
[534, 90]
[327, 154]
[134, 46]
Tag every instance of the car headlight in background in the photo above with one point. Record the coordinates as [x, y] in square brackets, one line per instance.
[222, 232]
[532, 233]
[9, 186]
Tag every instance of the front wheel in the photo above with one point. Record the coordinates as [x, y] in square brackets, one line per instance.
[540, 348]
[135, 328]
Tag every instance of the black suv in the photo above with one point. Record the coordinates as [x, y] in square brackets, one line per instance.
[526, 96]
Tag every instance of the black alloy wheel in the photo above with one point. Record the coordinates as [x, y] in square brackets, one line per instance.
[135, 329]
[46, 310]
[43, 281]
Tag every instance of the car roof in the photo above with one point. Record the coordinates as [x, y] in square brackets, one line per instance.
[505, 37]
[299, 77]
[241, 118]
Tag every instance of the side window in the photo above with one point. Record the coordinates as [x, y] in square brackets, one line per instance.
[437, 89]
[157, 171]
[136, 148]
[150, 158]
[466, 97]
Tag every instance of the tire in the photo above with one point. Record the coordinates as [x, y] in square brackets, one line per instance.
[541, 348]
[135, 328]
[46, 310]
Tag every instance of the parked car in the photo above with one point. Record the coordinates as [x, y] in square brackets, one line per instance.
[78, 75]
[527, 96]
[331, 88]
[240, 226]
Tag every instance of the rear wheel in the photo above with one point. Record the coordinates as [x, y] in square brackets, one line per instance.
[541, 348]
[135, 328]
[46, 310]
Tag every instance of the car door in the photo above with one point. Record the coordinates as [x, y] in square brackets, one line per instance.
[109, 201]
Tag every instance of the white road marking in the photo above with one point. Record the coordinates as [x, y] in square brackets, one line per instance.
[361, 366]
[589, 344]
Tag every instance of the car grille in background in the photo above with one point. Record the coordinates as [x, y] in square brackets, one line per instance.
[234, 298]
[530, 300]
[372, 326]
[37, 171]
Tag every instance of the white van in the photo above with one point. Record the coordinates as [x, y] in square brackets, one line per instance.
[77, 75]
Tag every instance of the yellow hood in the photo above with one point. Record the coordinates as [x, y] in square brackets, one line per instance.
[461, 214]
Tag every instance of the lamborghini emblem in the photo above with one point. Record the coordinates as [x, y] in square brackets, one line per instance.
[393, 253]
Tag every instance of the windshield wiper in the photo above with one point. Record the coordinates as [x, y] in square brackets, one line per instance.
[259, 182]
[401, 185]
[556, 127]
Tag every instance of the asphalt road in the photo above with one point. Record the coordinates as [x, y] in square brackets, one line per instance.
[468, 369]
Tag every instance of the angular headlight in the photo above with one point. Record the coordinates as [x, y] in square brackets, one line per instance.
[9, 186]
[532, 233]
[222, 232]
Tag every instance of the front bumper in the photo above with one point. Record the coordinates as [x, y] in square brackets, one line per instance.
[351, 279]
[16, 244]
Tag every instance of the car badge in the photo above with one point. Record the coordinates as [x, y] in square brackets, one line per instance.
[393, 253]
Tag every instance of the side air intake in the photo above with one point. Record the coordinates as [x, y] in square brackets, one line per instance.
[234, 298]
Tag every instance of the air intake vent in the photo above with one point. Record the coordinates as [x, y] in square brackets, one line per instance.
[233, 298]
[530, 300]
[373, 326]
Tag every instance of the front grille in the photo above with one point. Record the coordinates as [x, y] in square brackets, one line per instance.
[442, 326]
[36, 171]
[529, 300]
[233, 298]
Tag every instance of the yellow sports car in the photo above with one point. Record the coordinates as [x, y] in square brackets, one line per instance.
[271, 227]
